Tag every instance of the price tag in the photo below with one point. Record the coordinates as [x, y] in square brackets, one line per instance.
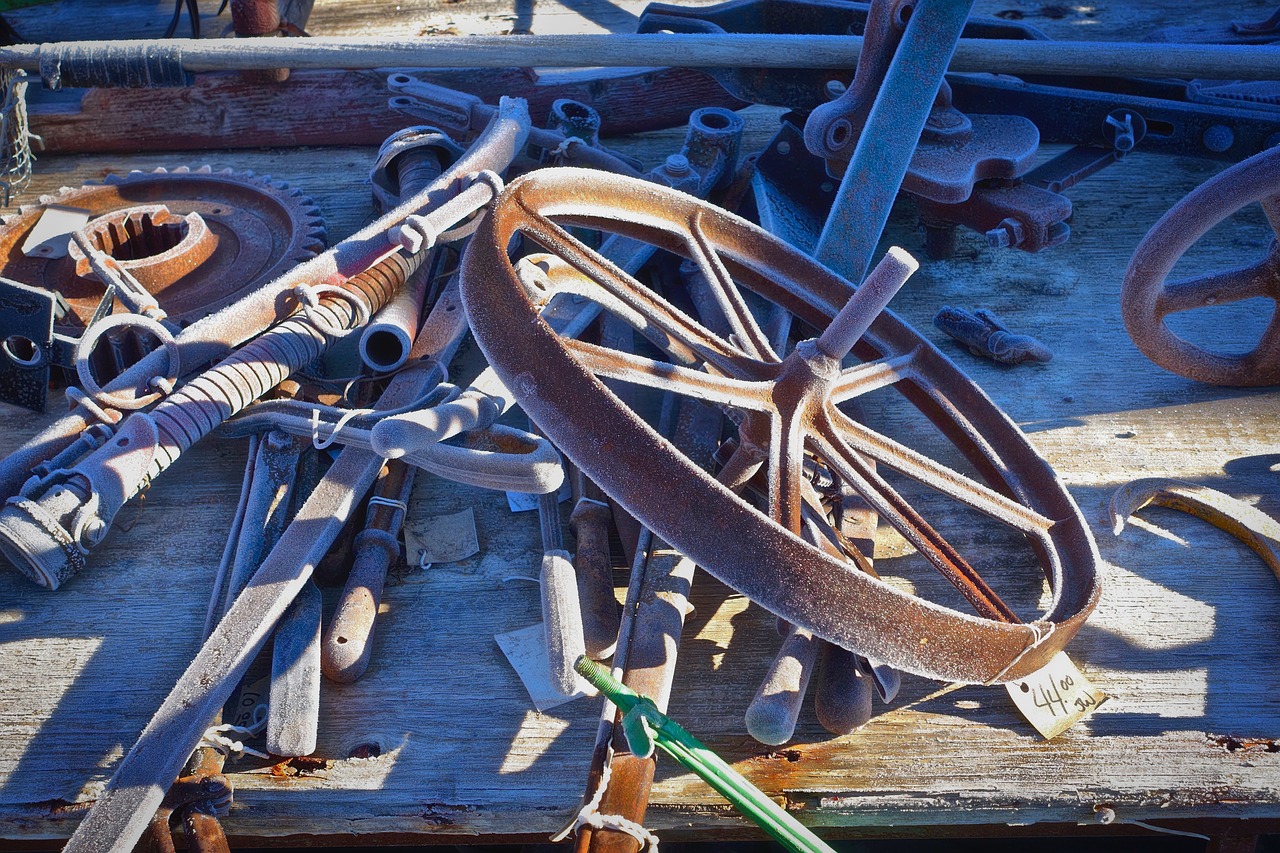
[1055, 697]
[441, 539]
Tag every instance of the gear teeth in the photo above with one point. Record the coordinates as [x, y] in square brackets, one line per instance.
[308, 237]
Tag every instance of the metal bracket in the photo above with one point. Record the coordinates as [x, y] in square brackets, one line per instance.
[29, 347]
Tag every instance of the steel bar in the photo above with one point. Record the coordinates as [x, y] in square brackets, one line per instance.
[293, 715]
[657, 603]
[681, 50]
[880, 160]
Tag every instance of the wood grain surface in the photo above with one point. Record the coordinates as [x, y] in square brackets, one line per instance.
[440, 738]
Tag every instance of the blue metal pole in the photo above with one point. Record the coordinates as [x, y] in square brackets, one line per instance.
[888, 141]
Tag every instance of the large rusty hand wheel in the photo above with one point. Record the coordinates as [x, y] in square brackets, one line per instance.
[1147, 298]
[787, 407]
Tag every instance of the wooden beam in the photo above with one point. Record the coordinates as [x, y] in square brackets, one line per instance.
[324, 108]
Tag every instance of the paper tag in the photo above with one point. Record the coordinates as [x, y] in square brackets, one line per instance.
[1055, 697]
[441, 539]
[525, 502]
[252, 696]
[526, 649]
[52, 234]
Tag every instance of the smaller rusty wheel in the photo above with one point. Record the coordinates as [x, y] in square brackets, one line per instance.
[1147, 298]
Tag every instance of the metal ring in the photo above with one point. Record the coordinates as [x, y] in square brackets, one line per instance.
[89, 342]
[309, 298]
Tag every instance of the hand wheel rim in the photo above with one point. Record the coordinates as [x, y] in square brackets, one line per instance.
[1145, 280]
[859, 612]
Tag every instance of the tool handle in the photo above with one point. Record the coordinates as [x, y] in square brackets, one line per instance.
[562, 619]
[348, 641]
[294, 707]
[771, 716]
[593, 565]
[842, 695]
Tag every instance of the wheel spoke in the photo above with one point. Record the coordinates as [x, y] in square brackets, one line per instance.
[786, 470]
[725, 292]
[638, 370]
[678, 333]
[894, 509]
[953, 484]
[1216, 288]
[873, 375]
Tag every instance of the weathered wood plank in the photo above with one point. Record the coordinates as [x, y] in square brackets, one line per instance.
[344, 108]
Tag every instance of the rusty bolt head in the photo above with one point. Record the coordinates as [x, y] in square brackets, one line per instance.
[1007, 235]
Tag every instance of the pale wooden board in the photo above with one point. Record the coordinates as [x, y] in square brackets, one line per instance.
[1184, 639]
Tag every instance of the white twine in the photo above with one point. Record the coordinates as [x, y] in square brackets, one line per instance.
[321, 444]
[589, 815]
[215, 737]
[379, 500]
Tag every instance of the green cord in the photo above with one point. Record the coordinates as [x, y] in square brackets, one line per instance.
[647, 727]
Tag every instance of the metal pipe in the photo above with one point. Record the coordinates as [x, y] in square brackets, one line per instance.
[679, 50]
[880, 160]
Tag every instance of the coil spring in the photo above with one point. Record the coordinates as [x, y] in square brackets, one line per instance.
[202, 404]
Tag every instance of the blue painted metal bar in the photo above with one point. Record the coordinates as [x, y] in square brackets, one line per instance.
[888, 140]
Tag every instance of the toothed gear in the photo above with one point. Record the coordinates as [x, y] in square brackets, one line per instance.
[257, 229]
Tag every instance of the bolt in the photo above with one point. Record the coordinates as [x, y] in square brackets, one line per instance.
[1218, 138]
[279, 440]
[1007, 235]
[93, 532]
[677, 164]
[1124, 139]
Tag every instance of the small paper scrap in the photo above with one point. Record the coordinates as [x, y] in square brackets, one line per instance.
[1055, 697]
[525, 502]
[441, 539]
[526, 649]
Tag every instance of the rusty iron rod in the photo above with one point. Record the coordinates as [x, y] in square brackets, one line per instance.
[683, 50]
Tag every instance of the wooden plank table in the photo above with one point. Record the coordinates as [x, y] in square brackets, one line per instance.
[439, 740]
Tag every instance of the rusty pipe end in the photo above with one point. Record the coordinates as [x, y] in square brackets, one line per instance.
[385, 347]
[37, 545]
